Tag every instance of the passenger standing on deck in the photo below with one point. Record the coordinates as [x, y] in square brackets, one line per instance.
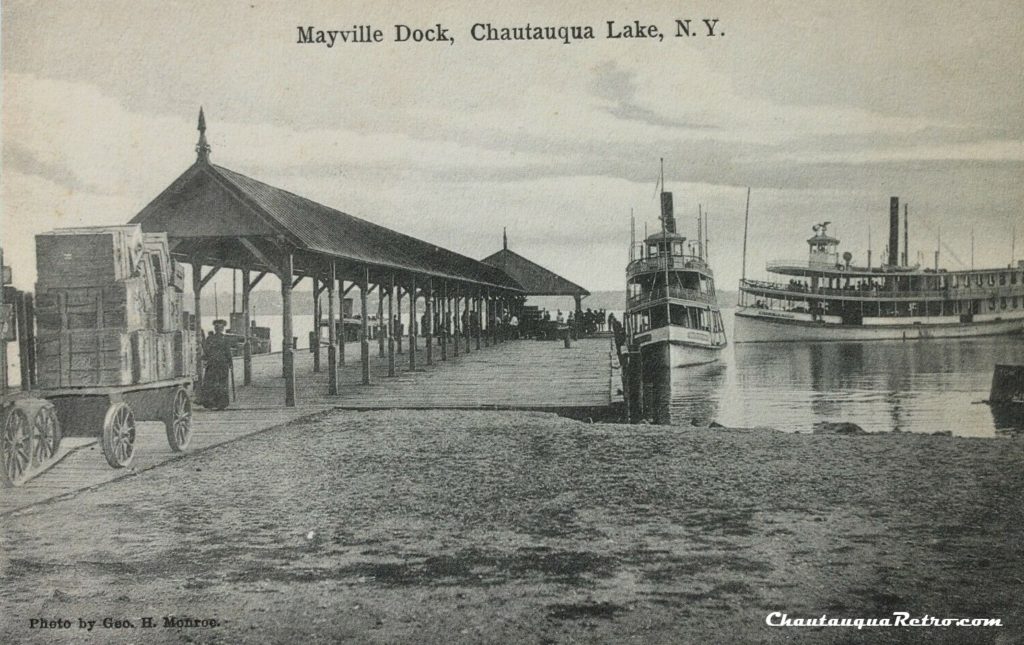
[217, 349]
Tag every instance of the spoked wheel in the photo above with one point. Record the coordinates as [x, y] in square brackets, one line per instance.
[179, 420]
[46, 434]
[15, 447]
[119, 435]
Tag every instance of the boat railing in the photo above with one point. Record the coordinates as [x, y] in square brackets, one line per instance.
[673, 262]
[659, 293]
[849, 293]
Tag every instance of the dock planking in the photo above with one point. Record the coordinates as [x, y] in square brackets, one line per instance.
[519, 375]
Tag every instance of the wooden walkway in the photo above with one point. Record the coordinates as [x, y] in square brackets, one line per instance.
[530, 375]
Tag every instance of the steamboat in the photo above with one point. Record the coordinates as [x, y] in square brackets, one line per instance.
[672, 315]
[828, 299]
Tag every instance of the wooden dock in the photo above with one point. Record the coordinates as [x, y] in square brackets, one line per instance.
[519, 375]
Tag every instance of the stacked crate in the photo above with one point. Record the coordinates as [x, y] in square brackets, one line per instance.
[109, 309]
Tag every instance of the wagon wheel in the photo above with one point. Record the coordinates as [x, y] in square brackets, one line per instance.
[178, 421]
[15, 447]
[119, 435]
[46, 433]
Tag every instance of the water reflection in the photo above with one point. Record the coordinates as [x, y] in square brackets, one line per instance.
[923, 386]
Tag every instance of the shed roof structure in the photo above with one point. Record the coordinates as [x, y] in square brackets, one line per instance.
[534, 279]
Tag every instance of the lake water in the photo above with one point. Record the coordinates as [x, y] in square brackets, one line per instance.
[882, 386]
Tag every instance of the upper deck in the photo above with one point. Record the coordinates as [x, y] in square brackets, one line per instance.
[664, 251]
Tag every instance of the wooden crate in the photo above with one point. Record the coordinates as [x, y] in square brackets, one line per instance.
[184, 348]
[145, 356]
[82, 358]
[124, 305]
[88, 257]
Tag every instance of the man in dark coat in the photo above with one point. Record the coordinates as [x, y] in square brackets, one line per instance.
[217, 350]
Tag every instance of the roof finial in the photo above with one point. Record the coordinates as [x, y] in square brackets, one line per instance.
[504, 237]
[202, 147]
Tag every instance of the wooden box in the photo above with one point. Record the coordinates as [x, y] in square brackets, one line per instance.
[124, 305]
[88, 257]
[83, 358]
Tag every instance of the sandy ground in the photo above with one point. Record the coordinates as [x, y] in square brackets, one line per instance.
[452, 527]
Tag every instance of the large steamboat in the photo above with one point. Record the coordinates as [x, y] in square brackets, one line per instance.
[828, 299]
[672, 315]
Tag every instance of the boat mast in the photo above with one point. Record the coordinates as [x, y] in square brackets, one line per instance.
[746, 223]
[700, 240]
[666, 253]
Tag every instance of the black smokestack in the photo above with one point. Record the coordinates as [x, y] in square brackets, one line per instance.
[894, 231]
[667, 216]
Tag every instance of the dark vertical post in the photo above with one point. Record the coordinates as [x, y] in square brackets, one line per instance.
[197, 290]
[468, 323]
[340, 334]
[478, 319]
[398, 319]
[332, 334]
[287, 349]
[247, 341]
[314, 339]
[23, 322]
[412, 325]
[364, 340]
[579, 315]
[391, 331]
[444, 322]
[428, 333]
[381, 327]
[456, 326]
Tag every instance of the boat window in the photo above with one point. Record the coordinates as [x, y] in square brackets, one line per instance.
[992, 279]
[677, 248]
[1002, 302]
[1013, 277]
[977, 279]
[1015, 302]
[1002, 278]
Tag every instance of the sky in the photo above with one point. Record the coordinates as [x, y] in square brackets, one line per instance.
[823, 109]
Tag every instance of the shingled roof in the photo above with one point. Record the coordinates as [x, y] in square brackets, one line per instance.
[210, 201]
[532, 277]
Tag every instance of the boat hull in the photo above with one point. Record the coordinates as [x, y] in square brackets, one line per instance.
[680, 346]
[753, 327]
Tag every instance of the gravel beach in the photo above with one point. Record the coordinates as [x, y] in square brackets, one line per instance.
[501, 527]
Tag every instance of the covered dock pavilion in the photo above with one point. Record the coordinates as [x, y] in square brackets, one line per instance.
[217, 218]
[534, 279]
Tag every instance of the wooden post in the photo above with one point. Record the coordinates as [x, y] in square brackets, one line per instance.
[314, 340]
[579, 314]
[364, 341]
[287, 349]
[428, 333]
[412, 325]
[381, 327]
[478, 319]
[391, 331]
[340, 334]
[444, 322]
[468, 332]
[197, 290]
[247, 341]
[398, 320]
[456, 327]
[332, 336]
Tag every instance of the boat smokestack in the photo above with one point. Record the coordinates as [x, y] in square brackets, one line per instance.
[894, 231]
[668, 219]
[906, 237]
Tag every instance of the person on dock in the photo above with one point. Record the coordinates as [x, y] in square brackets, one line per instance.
[217, 350]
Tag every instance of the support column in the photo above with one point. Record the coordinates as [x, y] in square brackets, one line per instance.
[397, 331]
[340, 333]
[364, 340]
[287, 351]
[332, 335]
[428, 332]
[579, 314]
[197, 290]
[478, 319]
[381, 326]
[391, 330]
[412, 325]
[456, 326]
[247, 342]
[444, 322]
[468, 332]
[314, 347]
